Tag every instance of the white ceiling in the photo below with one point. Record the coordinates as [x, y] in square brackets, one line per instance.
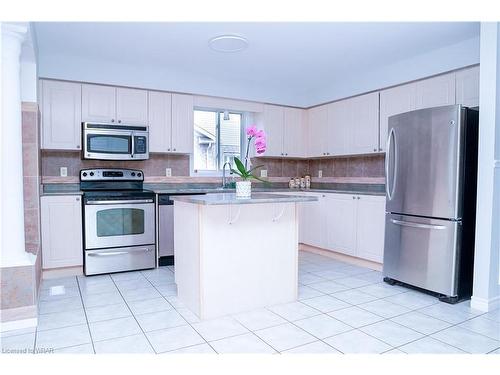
[284, 63]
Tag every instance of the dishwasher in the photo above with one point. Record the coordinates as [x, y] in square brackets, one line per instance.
[166, 228]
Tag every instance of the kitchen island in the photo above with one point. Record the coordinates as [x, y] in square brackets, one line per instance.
[234, 255]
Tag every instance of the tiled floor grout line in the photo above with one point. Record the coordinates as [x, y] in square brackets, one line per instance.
[86, 317]
[133, 315]
[188, 323]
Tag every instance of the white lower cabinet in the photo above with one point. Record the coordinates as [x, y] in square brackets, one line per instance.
[340, 222]
[370, 227]
[349, 224]
[61, 231]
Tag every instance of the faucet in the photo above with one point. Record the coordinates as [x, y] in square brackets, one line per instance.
[224, 173]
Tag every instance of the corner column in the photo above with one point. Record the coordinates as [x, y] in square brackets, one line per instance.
[13, 252]
[486, 290]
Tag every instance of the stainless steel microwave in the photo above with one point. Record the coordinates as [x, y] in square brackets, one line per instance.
[115, 142]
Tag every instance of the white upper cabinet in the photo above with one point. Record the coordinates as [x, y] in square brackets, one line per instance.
[345, 127]
[294, 136]
[131, 106]
[436, 91]
[182, 123]
[273, 118]
[160, 121]
[61, 115]
[363, 127]
[285, 131]
[337, 128]
[98, 103]
[61, 227]
[467, 87]
[317, 126]
[370, 227]
[114, 105]
[393, 101]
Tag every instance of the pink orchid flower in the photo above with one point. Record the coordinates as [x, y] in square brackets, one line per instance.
[252, 131]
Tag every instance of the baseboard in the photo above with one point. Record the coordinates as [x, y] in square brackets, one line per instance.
[486, 305]
[55, 273]
[18, 318]
[342, 257]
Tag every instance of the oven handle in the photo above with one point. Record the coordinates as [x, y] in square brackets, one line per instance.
[118, 253]
[129, 201]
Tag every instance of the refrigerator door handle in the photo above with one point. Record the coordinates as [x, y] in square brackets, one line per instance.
[417, 225]
[390, 190]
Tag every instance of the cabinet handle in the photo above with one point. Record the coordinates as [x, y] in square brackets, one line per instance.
[328, 153]
[359, 198]
[175, 149]
[375, 149]
[168, 149]
[77, 146]
[353, 197]
[78, 199]
[112, 120]
[119, 121]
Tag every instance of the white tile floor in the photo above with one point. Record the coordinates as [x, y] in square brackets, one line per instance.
[341, 309]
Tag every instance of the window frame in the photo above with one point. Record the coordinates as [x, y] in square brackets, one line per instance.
[218, 172]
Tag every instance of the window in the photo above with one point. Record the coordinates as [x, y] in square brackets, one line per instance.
[216, 140]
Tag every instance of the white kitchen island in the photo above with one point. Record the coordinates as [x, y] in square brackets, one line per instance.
[234, 255]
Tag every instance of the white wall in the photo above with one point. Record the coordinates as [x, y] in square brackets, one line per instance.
[421, 66]
[112, 72]
[486, 293]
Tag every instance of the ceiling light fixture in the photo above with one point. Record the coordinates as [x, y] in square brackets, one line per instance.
[228, 43]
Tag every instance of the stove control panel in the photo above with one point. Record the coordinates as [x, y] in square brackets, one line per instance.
[105, 174]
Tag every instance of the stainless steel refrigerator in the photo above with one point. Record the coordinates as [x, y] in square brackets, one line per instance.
[431, 169]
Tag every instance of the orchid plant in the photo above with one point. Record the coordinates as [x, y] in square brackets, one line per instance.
[260, 147]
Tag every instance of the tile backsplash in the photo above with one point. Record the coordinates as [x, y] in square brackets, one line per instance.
[154, 166]
[352, 166]
[348, 166]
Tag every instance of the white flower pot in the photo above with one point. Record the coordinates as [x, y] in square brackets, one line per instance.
[243, 189]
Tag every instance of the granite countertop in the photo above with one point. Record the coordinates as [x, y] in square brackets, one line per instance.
[358, 189]
[230, 198]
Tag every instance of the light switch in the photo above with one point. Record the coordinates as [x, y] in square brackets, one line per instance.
[320, 173]
[263, 173]
[168, 172]
[63, 171]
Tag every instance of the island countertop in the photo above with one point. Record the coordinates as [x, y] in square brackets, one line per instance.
[230, 198]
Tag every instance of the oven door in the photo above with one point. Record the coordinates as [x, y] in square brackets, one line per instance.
[119, 223]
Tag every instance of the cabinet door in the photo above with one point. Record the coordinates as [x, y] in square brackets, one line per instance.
[131, 106]
[61, 115]
[317, 125]
[294, 132]
[436, 91]
[61, 231]
[182, 123]
[467, 90]
[393, 101]
[341, 223]
[98, 103]
[314, 222]
[363, 128]
[273, 125]
[338, 124]
[370, 224]
[160, 121]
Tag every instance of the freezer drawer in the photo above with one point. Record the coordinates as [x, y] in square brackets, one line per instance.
[423, 252]
[119, 259]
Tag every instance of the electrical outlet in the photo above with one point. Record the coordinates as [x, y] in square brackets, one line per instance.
[63, 171]
[320, 173]
[168, 172]
[263, 173]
